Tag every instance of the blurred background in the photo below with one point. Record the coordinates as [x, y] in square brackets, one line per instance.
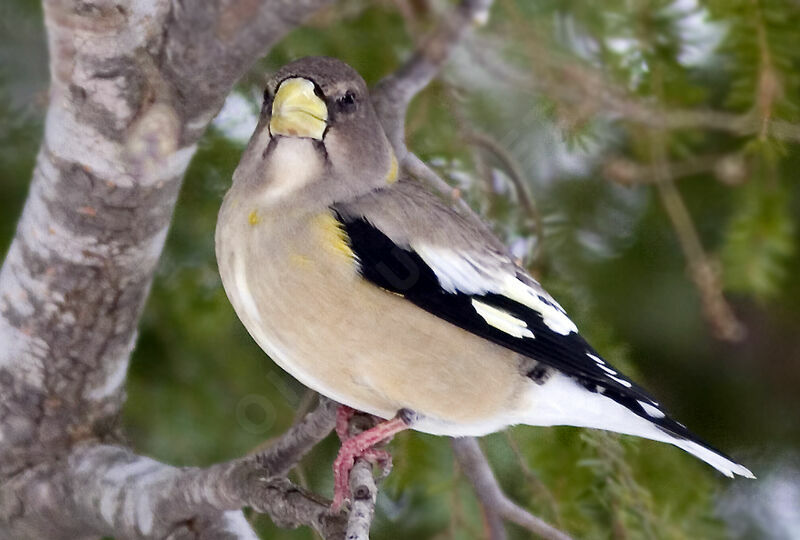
[640, 157]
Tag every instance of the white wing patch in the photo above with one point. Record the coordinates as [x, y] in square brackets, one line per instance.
[650, 410]
[457, 271]
[462, 272]
[611, 375]
[597, 359]
[502, 320]
[623, 382]
[552, 315]
[607, 369]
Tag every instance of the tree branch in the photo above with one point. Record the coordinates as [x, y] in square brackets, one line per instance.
[364, 492]
[572, 84]
[476, 468]
[115, 492]
[730, 169]
[393, 94]
[494, 524]
[518, 182]
[716, 309]
[208, 46]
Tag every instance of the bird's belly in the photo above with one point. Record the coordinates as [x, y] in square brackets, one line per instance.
[365, 347]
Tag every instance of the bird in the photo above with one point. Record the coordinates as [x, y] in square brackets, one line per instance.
[372, 290]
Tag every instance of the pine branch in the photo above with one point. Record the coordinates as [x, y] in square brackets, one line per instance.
[571, 83]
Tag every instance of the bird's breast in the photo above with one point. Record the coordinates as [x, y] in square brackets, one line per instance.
[297, 289]
[285, 278]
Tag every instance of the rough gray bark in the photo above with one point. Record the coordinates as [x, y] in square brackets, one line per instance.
[134, 85]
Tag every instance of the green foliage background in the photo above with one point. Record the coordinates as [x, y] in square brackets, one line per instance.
[201, 391]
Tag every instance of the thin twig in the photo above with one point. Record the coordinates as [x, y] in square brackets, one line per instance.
[715, 307]
[363, 493]
[485, 142]
[479, 473]
[413, 165]
[518, 181]
[393, 94]
[769, 87]
[533, 479]
[493, 523]
[288, 449]
[572, 84]
[730, 169]
[703, 272]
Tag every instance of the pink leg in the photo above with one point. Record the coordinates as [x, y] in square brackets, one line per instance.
[361, 445]
[382, 458]
[343, 416]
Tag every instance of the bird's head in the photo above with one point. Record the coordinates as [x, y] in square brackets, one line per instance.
[318, 138]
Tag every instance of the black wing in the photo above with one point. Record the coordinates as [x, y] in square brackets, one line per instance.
[402, 271]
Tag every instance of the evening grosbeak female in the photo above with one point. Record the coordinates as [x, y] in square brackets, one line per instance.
[371, 290]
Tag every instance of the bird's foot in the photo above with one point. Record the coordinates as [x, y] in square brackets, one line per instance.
[343, 416]
[381, 458]
[361, 445]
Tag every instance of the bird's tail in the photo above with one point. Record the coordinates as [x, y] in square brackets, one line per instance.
[561, 401]
[716, 459]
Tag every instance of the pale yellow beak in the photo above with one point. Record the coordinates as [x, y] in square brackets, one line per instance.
[297, 111]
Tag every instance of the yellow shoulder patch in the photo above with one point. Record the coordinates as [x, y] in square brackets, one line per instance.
[253, 218]
[299, 260]
[333, 234]
[391, 178]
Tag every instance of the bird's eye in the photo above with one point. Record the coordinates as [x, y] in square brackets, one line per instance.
[347, 102]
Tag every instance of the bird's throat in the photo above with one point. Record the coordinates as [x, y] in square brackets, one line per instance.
[292, 164]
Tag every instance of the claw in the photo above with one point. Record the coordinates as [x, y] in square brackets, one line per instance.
[361, 445]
